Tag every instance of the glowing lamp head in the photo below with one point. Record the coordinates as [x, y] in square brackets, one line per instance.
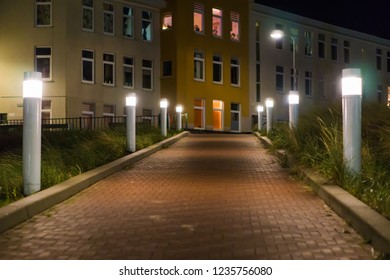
[164, 103]
[131, 100]
[293, 97]
[351, 82]
[260, 108]
[32, 85]
[269, 103]
[277, 34]
[179, 109]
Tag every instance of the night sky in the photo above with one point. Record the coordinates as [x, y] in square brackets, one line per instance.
[371, 17]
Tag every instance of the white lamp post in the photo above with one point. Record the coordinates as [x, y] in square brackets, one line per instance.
[293, 101]
[32, 125]
[164, 112]
[260, 110]
[269, 104]
[352, 129]
[179, 110]
[131, 102]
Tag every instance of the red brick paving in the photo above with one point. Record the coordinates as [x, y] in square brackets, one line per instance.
[205, 197]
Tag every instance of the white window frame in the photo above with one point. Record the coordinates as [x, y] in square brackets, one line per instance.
[334, 49]
[233, 111]
[308, 43]
[218, 62]
[217, 17]
[279, 74]
[44, 56]
[92, 60]
[322, 42]
[378, 59]
[201, 61]
[43, 3]
[109, 63]
[128, 66]
[308, 83]
[92, 11]
[235, 19]
[150, 21]
[235, 64]
[198, 9]
[128, 19]
[150, 70]
[203, 112]
[110, 13]
[221, 111]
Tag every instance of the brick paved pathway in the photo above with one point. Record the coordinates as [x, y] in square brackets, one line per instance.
[205, 197]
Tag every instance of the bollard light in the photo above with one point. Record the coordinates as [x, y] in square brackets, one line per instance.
[351, 103]
[260, 110]
[293, 101]
[269, 104]
[131, 102]
[32, 120]
[164, 117]
[179, 110]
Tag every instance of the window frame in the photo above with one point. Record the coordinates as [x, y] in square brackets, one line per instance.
[334, 53]
[219, 64]
[235, 64]
[308, 83]
[44, 57]
[164, 74]
[217, 18]
[234, 19]
[108, 13]
[87, 59]
[321, 46]
[150, 21]
[198, 9]
[201, 61]
[126, 18]
[130, 66]
[150, 70]
[308, 43]
[111, 64]
[279, 78]
[347, 52]
[85, 8]
[378, 59]
[43, 3]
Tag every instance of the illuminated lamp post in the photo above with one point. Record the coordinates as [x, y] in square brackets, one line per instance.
[131, 102]
[179, 110]
[260, 110]
[352, 118]
[293, 103]
[32, 131]
[164, 113]
[269, 104]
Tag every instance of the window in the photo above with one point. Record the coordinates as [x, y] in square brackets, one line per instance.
[308, 43]
[217, 22]
[43, 62]
[334, 50]
[199, 113]
[199, 65]
[388, 62]
[46, 111]
[147, 26]
[321, 46]
[378, 59]
[321, 87]
[235, 26]
[218, 115]
[108, 69]
[128, 72]
[128, 22]
[347, 51]
[43, 13]
[308, 83]
[217, 69]
[279, 78]
[88, 66]
[198, 18]
[88, 112]
[108, 19]
[379, 94]
[167, 68]
[108, 115]
[147, 74]
[279, 42]
[88, 19]
[294, 87]
[234, 71]
[167, 22]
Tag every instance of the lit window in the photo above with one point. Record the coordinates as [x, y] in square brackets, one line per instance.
[128, 72]
[198, 18]
[108, 19]
[43, 13]
[199, 65]
[108, 69]
[88, 19]
[128, 22]
[217, 69]
[167, 22]
[147, 74]
[43, 62]
[147, 26]
[88, 66]
[217, 22]
[235, 28]
[235, 71]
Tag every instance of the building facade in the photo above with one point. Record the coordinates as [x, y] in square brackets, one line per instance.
[322, 51]
[91, 53]
[205, 62]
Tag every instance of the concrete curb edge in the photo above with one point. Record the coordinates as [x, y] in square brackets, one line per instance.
[371, 225]
[24, 209]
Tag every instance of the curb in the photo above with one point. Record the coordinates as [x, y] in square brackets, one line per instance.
[371, 225]
[24, 209]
